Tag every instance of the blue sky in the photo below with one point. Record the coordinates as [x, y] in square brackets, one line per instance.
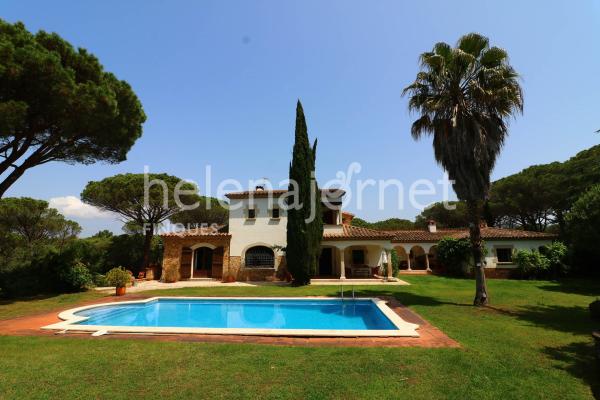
[219, 81]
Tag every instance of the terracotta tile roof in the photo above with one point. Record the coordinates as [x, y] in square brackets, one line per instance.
[273, 193]
[487, 233]
[197, 232]
[355, 232]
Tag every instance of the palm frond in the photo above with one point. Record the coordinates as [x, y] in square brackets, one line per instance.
[473, 43]
[465, 96]
[493, 57]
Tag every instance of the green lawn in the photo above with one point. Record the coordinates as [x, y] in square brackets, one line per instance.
[534, 343]
[39, 304]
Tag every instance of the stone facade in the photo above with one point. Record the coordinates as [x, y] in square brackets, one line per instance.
[241, 274]
[175, 263]
[177, 260]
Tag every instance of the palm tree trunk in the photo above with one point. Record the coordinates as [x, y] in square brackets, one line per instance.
[481, 295]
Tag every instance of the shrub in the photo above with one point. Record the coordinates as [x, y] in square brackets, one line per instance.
[395, 263]
[75, 276]
[531, 264]
[45, 270]
[556, 253]
[25, 277]
[582, 228]
[454, 255]
[100, 280]
[118, 277]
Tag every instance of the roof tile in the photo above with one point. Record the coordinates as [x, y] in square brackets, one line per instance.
[355, 232]
[487, 233]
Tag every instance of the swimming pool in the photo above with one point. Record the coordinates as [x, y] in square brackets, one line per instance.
[245, 316]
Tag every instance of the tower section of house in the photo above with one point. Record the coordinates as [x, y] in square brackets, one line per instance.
[257, 225]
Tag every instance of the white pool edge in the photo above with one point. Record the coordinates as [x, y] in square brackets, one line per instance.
[70, 320]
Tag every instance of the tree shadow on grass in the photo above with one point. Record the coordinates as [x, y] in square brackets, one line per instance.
[574, 286]
[570, 319]
[407, 298]
[578, 359]
[5, 301]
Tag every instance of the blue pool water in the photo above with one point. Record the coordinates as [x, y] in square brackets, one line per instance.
[230, 313]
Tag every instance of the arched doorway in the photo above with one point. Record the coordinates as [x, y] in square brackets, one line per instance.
[417, 258]
[202, 262]
[402, 257]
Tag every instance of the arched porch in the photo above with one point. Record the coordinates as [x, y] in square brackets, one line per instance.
[355, 261]
[415, 256]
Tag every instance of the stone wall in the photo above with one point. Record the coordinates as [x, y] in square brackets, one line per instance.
[232, 265]
[173, 249]
[241, 274]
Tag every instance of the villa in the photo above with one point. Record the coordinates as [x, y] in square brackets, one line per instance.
[252, 249]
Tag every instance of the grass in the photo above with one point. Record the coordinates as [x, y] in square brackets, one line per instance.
[43, 303]
[533, 343]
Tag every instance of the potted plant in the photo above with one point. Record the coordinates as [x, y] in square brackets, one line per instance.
[119, 278]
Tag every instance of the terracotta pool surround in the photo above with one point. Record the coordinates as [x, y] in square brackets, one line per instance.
[429, 336]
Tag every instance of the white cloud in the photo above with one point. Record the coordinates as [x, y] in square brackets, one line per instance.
[71, 206]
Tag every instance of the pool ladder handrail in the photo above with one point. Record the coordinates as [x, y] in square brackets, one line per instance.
[342, 292]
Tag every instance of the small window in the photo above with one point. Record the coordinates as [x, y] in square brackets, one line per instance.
[504, 255]
[358, 257]
[251, 213]
[275, 213]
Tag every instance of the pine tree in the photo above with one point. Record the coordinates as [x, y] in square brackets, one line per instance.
[304, 222]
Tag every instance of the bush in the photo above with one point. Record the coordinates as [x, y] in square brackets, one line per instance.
[92, 251]
[76, 276]
[531, 264]
[556, 253]
[100, 280]
[455, 256]
[45, 270]
[582, 228]
[118, 277]
[102, 251]
[395, 263]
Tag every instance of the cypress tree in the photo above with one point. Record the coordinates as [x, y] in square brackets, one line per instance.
[304, 221]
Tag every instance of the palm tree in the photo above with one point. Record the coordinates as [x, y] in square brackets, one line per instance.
[465, 96]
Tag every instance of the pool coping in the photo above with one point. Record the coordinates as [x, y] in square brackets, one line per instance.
[70, 320]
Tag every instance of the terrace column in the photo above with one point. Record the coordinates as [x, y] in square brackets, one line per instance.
[390, 271]
[427, 262]
[408, 259]
[342, 262]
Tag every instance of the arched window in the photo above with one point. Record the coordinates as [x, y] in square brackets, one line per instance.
[260, 257]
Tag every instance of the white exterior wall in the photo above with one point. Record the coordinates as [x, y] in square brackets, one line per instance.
[490, 258]
[261, 231]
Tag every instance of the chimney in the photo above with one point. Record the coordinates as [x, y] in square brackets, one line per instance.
[431, 226]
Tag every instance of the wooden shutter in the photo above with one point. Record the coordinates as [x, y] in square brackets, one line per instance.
[185, 268]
